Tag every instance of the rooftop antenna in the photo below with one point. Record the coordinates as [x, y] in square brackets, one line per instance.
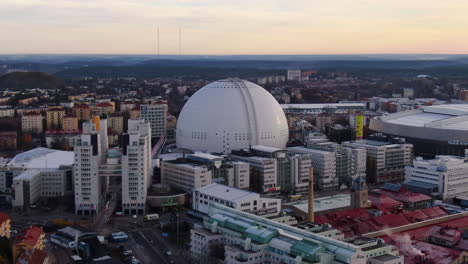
[180, 41]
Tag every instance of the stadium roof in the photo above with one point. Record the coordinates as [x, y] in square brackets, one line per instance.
[40, 158]
[447, 122]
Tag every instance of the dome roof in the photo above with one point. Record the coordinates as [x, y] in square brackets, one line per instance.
[230, 115]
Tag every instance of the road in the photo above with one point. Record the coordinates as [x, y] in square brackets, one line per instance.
[148, 251]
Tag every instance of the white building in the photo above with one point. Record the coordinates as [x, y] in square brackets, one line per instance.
[237, 174]
[294, 75]
[90, 151]
[32, 123]
[32, 184]
[241, 200]
[263, 173]
[299, 166]
[351, 163]
[156, 114]
[185, 176]
[324, 164]
[448, 174]
[387, 159]
[27, 188]
[136, 166]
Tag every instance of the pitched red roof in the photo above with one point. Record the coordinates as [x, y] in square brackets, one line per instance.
[80, 106]
[416, 216]
[383, 201]
[390, 220]
[434, 212]
[31, 235]
[105, 105]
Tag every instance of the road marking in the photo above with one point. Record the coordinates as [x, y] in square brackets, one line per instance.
[162, 257]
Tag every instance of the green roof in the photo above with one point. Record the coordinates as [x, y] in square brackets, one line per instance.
[307, 250]
[239, 226]
[260, 235]
[220, 219]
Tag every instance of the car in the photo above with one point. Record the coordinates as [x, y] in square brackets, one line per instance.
[169, 253]
[119, 213]
[128, 252]
[134, 260]
[134, 216]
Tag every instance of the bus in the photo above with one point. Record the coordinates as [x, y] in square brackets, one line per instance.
[151, 217]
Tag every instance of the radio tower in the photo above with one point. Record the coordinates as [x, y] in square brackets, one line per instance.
[158, 40]
[180, 42]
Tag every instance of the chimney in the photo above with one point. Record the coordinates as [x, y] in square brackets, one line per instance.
[311, 195]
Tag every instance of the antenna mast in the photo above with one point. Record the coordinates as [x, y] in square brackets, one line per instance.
[158, 41]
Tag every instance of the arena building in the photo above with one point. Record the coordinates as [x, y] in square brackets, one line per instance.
[433, 130]
[231, 114]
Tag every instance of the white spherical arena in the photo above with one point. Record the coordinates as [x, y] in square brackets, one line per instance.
[231, 114]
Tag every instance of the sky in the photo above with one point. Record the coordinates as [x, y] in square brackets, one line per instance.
[223, 27]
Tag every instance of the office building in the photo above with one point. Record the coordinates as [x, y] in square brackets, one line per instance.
[31, 123]
[33, 184]
[386, 160]
[241, 200]
[444, 176]
[229, 115]
[235, 174]
[274, 170]
[351, 163]
[263, 172]
[90, 150]
[136, 166]
[247, 238]
[54, 118]
[218, 169]
[40, 172]
[156, 114]
[324, 164]
[185, 175]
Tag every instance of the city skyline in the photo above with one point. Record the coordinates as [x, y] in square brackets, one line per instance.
[233, 27]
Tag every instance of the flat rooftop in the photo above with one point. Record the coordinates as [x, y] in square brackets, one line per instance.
[227, 193]
[324, 203]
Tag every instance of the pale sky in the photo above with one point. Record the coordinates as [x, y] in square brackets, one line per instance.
[234, 26]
